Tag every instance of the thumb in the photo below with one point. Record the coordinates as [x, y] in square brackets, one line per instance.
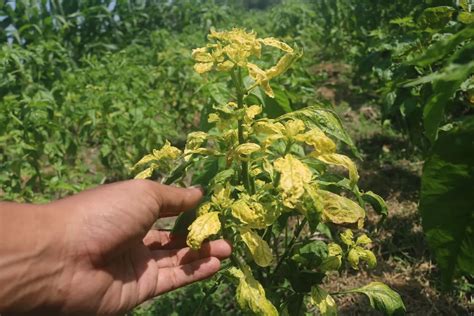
[172, 200]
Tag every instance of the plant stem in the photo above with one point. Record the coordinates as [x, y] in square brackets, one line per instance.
[288, 249]
[240, 104]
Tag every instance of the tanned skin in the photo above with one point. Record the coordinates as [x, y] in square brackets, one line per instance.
[95, 253]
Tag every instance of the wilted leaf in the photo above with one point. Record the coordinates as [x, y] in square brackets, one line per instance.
[377, 202]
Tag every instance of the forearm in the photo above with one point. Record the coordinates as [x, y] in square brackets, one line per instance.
[29, 264]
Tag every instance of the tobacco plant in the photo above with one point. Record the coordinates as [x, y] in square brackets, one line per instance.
[273, 188]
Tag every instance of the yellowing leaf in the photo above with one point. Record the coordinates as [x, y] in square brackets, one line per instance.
[271, 41]
[293, 128]
[363, 240]
[293, 176]
[202, 55]
[321, 143]
[261, 252]
[245, 150]
[341, 210]
[203, 227]
[250, 293]
[261, 79]
[195, 140]
[357, 253]
[204, 208]
[252, 213]
[162, 160]
[344, 161]
[251, 112]
[347, 237]
[353, 258]
[221, 198]
[283, 64]
[382, 298]
[225, 66]
[145, 174]
[325, 303]
[201, 68]
[213, 118]
[268, 128]
[334, 259]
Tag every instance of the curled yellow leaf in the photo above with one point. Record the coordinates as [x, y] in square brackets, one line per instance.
[203, 227]
[341, 210]
[293, 176]
[252, 213]
[246, 149]
[271, 41]
[250, 294]
[293, 128]
[261, 252]
[320, 142]
[251, 112]
[343, 161]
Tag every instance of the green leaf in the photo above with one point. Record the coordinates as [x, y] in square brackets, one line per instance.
[311, 254]
[443, 90]
[446, 203]
[219, 92]
[325, 119]
[440, 49]
[436, 17]
[382, 298]
[466, 17]
[377, 203]
[183, 221]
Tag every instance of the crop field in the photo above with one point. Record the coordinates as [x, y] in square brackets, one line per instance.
[334, 140]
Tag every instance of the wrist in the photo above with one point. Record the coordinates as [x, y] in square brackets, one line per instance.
[31, 262]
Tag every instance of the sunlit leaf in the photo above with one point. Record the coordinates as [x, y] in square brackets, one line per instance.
[203, 227]
[250, 293]
[325, 303]
[261, 252]
[293, 176]
[382, 298]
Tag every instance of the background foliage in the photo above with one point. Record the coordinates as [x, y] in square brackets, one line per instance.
[87, 87]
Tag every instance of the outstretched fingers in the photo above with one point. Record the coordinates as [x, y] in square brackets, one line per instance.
[174, 277]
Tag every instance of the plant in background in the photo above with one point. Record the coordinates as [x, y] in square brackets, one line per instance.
[265, 177]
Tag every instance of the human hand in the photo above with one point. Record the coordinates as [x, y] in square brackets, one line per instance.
[103, 258]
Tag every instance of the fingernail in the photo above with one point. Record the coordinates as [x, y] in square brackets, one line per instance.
[200, 188]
